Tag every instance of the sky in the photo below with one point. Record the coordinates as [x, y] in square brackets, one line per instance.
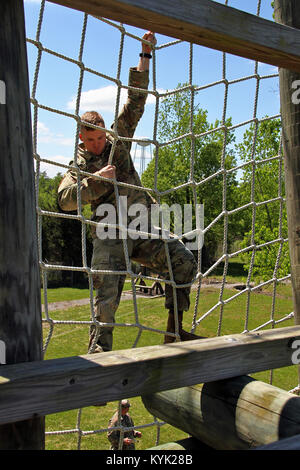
[58, 80]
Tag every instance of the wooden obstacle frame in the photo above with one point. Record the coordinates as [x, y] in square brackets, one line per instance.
[31, 388]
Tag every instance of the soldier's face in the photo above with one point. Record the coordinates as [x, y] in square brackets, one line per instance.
[94, 140]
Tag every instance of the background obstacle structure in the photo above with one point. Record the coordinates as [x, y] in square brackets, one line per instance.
[266, 46]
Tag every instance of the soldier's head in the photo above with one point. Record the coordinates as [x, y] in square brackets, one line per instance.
[94, 140]
[125, 404]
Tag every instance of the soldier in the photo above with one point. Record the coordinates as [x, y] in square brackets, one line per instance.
[108, 253]
[125, 421]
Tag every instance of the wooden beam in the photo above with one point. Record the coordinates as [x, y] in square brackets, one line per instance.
[233, 414]
[204, 22]
[190, 443]
[50, 386]
[20, 303]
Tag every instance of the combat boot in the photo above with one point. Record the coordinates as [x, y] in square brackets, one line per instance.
[93, 348]
[170, 328]
[184, 335]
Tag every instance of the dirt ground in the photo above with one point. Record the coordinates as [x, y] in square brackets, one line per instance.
[127, 295]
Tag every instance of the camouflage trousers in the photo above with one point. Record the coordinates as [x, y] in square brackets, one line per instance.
[109, 255]
[124, 447]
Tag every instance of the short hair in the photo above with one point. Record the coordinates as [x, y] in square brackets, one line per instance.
[92, 117]
[125, 403]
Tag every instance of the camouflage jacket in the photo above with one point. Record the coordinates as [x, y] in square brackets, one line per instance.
[114, 435]
[95, 191]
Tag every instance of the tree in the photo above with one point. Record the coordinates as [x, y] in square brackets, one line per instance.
[61, 237]
[193, 152]
[262, 181]
[51, 231]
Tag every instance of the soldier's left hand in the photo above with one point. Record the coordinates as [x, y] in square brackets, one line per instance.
[128, 441]
[149, 36]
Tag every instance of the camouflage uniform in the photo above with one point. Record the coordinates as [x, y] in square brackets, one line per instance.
[114, 435]
[108, 254]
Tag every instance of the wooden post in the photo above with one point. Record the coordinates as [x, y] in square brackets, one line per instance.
[231, 414]
[20, 306]
[287, 12]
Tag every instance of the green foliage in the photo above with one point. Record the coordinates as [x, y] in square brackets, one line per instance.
[263, 180]
[52, 241]
[61, 237]
[273, 6]
[182, 159]
[272, 259]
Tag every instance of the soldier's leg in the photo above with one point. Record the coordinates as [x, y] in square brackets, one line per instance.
[107, 255]
[152, 253]
[184, 268]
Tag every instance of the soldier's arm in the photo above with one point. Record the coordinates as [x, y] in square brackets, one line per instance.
[135, 433]
[143, 64]
[113, 435]
[114, 438]
[91, 188]
[138, 78]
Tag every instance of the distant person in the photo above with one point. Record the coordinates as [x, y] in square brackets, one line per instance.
[126, 422]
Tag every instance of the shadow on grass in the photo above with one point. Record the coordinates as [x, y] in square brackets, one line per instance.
[235, 269]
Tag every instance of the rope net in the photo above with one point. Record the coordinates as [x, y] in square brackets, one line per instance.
[136, 322]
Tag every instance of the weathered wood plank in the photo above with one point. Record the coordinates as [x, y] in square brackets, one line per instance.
[204, 22]
[190, 443]
[20, 305]
[288, 12]
[232, 414]
[50, 386]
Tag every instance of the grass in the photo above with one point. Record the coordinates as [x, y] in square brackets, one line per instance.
[62, 294]
[72, 340]
[235, 273]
